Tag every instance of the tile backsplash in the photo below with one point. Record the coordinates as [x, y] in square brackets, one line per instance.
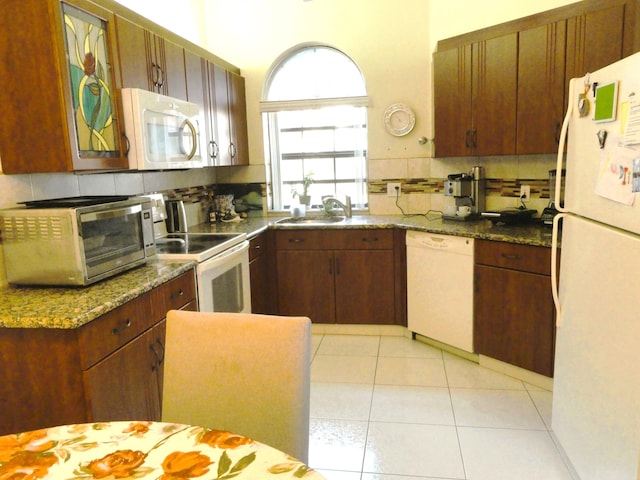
[421, 178]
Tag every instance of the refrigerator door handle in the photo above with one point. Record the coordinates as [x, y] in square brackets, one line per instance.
[562, 142]
[554, 267]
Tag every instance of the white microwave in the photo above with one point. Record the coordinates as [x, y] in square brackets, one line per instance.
[163, 133]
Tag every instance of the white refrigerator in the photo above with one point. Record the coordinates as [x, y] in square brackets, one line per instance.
[596, 391]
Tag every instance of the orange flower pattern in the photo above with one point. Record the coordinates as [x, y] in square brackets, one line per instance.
[138, 428]
[179, 465]
[120, 464]
[27, 465]
[35, 441]
[222, 439]
[143, 450]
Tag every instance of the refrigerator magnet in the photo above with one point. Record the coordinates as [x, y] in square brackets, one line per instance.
[602, 138]
[606, 102]
[583, 105]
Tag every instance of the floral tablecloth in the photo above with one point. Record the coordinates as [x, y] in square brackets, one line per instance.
[152, 450]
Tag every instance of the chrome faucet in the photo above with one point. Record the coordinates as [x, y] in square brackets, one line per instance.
[346, 206]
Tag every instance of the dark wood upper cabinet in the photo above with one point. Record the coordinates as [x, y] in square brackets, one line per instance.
[452, 101]
[516, 76]
[238, 119]
[61, 110]
[494, 91]
[227, 122]
[594, 40]
[541, 86]
[475, 88]
[150, 62]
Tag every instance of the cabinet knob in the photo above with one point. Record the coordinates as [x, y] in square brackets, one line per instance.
[118, 330]
[178, 294]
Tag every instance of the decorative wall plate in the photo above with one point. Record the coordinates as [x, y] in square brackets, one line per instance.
[399, 119]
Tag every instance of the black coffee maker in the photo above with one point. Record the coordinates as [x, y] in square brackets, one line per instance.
[551, 211]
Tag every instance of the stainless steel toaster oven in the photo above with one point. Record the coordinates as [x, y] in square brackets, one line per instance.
[75, 241]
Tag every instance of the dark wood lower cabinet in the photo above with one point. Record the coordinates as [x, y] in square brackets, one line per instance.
[262, 273]
[514, 316]
[108, 369]
[340, 276]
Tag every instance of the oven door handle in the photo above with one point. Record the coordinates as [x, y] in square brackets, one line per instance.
[230, 252]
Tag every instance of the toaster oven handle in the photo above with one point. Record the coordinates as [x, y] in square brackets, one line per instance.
[118, 212]
[192, 130]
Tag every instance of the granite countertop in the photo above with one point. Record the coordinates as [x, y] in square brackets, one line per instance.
[529, 234]
[72, 307]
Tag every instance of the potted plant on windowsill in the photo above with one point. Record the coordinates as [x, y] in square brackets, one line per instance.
[304, 197]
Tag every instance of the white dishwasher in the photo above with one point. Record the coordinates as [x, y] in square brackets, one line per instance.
[440, 288]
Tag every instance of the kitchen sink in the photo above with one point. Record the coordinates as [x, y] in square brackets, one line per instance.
[324, 220]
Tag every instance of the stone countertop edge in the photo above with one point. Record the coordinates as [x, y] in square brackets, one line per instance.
[532, 234]
[69, 308]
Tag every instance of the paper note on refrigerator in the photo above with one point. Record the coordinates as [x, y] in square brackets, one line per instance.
[614, 179]
[631, 120]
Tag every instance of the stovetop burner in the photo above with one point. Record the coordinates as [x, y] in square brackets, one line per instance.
[196, 246]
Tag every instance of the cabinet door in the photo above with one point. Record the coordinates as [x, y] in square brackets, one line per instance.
[223, 121]
[594, 40]
[133, 49]
[541, 59]
[306, 284]
[173, 68]
[365, 287]
[259, 274]
[195, 66]
[125, 385]
[452, 101]
[514, 318]
[494, 95]
[238, 120]
[58, 96]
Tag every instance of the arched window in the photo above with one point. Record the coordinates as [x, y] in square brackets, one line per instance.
[314, 103]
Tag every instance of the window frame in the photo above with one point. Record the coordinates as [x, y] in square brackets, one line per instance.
[270, 109]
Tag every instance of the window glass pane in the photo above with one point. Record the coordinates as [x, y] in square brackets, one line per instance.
[316, 72]
[329, 143]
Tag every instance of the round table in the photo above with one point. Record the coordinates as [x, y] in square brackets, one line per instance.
[152, 450]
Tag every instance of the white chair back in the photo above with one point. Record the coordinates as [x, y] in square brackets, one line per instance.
[245, 373]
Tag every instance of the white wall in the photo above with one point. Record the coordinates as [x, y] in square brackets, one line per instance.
[183, 17]
[392, 42]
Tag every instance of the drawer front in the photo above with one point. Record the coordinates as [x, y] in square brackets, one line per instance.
[360, 239]
[526, 258]
[299, 240]
[257, 246]
[179, 291]
[99, 338]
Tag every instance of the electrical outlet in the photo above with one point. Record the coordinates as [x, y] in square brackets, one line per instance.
[392, 187]
[525, 192]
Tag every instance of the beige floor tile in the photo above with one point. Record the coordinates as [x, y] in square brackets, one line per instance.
[344, 401]
[498, 454]
[463, 373]
[349, 345]
[409, 449]
[402, 404]
[495, 409]
[405, 347]
[427, 372]
[337, 444]
[343, 368]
